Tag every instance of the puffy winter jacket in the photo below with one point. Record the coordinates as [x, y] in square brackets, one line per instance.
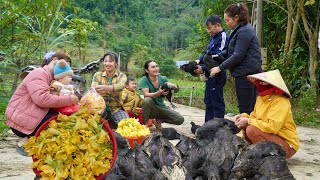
[32, 101]
[242, 56]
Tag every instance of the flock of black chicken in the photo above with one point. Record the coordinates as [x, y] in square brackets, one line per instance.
[215, 153]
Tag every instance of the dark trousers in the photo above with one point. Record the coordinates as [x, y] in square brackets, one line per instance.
[246, 94]
[49, 115]
[213, 98]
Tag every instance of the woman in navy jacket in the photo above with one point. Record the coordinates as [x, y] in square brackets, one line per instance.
[242, 56]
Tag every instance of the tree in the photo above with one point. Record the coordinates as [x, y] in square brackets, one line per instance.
[81, 27]
[292, 29]
[28, 29]
[311, 25]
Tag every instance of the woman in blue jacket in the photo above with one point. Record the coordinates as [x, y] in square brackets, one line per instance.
[242, 56]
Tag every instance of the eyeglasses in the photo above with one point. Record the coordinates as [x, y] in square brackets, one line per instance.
[209, 28]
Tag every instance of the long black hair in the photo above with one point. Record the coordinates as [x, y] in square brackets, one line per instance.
[146, 65]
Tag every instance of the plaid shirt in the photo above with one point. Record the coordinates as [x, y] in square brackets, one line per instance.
[113, 100]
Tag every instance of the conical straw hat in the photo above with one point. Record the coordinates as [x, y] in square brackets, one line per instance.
[272, 77]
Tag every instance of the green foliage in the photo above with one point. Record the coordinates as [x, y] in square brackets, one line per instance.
[304, 112]
[140, 30]
[3, 106]
[81, 28]
[30, 28]
[198, 93]
[295, 75]
[309, 2]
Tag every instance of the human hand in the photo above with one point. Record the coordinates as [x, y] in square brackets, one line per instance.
[74, 99]
[242, 123]
[214, 71]
[161, 92]
[199, 70]
[101, 88]
[236, 118]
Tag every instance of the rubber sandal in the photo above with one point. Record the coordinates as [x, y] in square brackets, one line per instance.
[20, 150]
[157, 124]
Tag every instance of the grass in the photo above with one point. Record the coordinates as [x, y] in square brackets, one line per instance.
[198, 94]
[3, 106]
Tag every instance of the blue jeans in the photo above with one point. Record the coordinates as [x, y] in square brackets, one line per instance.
[213, 98]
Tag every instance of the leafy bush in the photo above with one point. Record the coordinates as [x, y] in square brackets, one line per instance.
[303, 109]
[3, 106]
[295, 74]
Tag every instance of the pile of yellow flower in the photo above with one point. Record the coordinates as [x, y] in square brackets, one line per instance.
[72, 147]
[131, 127]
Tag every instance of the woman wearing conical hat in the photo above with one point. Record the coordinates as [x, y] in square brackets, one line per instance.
[271, 119]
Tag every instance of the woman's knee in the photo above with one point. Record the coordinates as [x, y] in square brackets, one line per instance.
[251, 132]
[178, 120]
[147, 101]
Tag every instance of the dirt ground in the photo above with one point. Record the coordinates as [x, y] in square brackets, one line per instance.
[304, 165]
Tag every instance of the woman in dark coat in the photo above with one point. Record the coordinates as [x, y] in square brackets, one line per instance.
[242, 56]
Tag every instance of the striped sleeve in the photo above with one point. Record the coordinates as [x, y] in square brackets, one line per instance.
[223, 40]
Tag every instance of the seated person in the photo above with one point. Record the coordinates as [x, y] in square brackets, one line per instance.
[109, 83]
[130, 98]
[153, 103]
[271, 119]
[61, 85]
[31, 104]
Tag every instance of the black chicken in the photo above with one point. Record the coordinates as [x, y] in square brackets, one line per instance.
[124, 166]
[255, 161]
[185, 144]
[194, 127]
[170, 133]
[145, 168]
[190, 68]
[171, 88]
[209, 62]
[206, 133]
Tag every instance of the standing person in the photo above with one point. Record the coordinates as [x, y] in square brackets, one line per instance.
[153, 106]
[272, 118]
[213, 98]
[242, 56]
[31, 104]
[109, 83]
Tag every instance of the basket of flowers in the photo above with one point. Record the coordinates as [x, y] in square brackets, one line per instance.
[80, 146]
[133, 131]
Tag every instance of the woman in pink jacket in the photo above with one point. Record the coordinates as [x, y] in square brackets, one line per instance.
[30, 105]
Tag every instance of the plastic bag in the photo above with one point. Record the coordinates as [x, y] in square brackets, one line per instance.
[93, 101]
